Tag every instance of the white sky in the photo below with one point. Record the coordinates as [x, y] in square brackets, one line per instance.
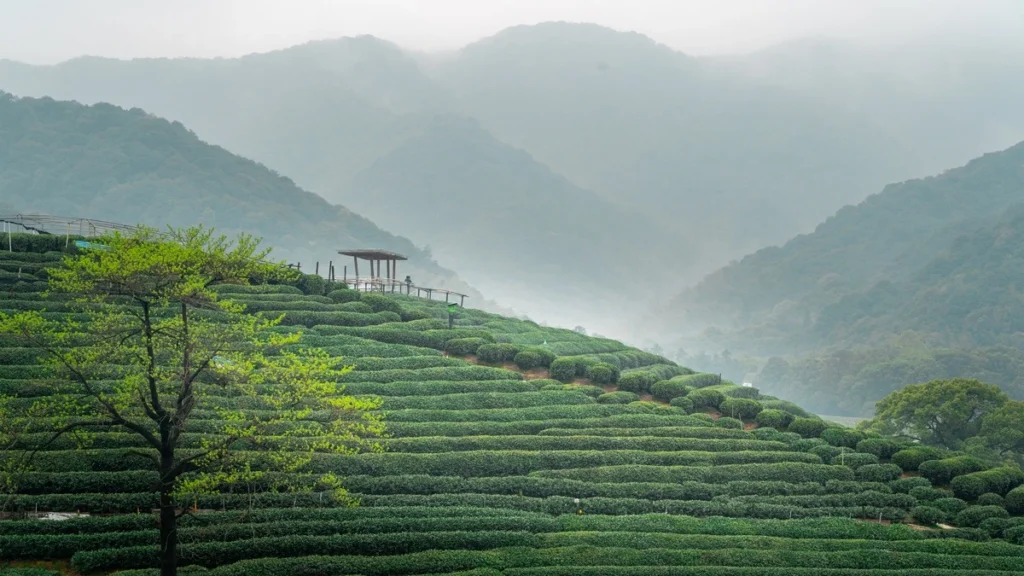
[47, 31]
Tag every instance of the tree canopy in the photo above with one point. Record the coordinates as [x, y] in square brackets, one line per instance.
[159, 346]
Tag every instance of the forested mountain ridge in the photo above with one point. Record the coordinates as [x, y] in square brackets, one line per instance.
[105, 162]
[885, 238]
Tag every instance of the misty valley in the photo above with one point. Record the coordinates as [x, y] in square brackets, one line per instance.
[564, 300]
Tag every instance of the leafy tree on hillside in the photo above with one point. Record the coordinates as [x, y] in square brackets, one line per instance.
[939, 413]
[1003, 430]
[159, 346]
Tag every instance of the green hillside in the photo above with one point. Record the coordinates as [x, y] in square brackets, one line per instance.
[104, 162]
[888, 237]
[674, 472]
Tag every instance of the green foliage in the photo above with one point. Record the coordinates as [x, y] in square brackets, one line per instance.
[883, 448]
[973, 516]
[683, 402]
[808, 427]
[740, 408]
[698, 380]
[951, 506]
[777, 419]
[842, 437]
[730, 423]
[563, 369]
[941, 412]
[638, 381]
[878, 473]
[927, 515]
[666, 390]
[706, 398]
[943, 471]
[910, 459]
[620, 397]
[497, 353]
[905, 485]
[999, 480]
[311, 284]
[381, 303]
[855, 459]
[990, 499]
[344, 295]
[603, 373]
[532, 358]
[1015, 501]
[464, 346]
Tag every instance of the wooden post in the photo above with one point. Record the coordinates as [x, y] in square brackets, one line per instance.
[357, 268]
[463, 302]
[317, 269]
[446, 296]
[344, 272]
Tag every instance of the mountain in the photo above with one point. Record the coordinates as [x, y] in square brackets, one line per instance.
[776, 292]
[509, 222]
[105, 162]
[672, 135]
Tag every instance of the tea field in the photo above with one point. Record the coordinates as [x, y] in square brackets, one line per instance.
[520, 450]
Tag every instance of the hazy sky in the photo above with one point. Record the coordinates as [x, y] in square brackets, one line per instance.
[46, 31]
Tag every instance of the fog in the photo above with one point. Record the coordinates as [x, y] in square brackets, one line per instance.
[49, 31]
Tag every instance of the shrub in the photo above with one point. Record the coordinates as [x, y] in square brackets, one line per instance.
[414, 315]
[999, 480]
[905, 485]
[951, 506]
[344, 295]
[683, 402]
[464, 346]
[727, 422]
[311, 284]
[531, 358]
[911, 458]
[927, 515]
[927, 493]
[562, 369]
[619, 397]
[748, 392]
[942, 471]
[1015, 500]
[498, 353]
[785, 406]
[742, 408]
[603, 373]
[1014, 535]
[808, 427]
[358, 307]
[841, 436]
[968, 486]
[878, 472]
[994, 526]
[884, 448]
[974, 515]
[773, 418]
[699, 380]
[856, 460]
[706, 398]
[666, 390]
[639, 381]
[826, 452]
[991, 499]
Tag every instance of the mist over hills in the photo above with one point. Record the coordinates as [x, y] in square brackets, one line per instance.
[918, 282]
[105, 162]
[713, 159]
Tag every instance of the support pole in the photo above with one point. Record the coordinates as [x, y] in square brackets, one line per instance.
[344, 272]
[463, 302]
[357, 268]
[317, 269]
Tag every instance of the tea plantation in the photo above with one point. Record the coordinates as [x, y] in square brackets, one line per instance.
[519, 450]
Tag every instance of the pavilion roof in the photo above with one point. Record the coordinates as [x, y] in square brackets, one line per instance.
[372, 254]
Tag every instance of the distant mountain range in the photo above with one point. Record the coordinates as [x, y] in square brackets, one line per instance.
[614, 167]
[911, 242]
[108, 163]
